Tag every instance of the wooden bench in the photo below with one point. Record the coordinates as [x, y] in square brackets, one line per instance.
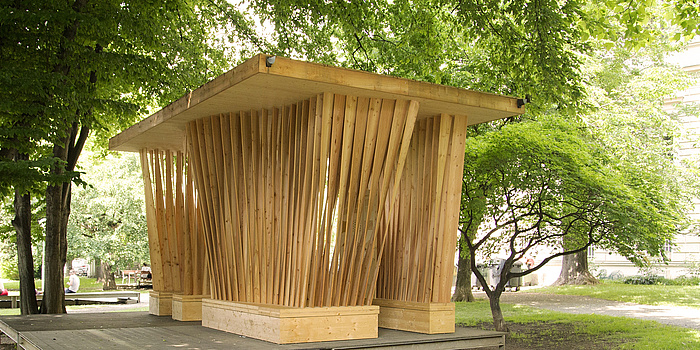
[76, 297]
[143, 279]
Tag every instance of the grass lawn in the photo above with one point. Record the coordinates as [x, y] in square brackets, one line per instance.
[543, 329]
[86, 284]
[688, 296]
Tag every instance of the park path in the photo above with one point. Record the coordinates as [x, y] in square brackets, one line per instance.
[574, 304]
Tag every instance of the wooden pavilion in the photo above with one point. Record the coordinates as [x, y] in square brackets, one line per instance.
[296, 202]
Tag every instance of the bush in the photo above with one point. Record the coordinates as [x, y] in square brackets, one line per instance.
[652, 279]
[645, 280]
[683, 281]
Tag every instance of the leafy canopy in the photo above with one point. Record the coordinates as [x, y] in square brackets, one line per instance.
[539, 181]
[108, 220]
[100, 65]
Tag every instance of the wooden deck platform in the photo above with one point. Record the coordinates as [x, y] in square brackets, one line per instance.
[138, 330]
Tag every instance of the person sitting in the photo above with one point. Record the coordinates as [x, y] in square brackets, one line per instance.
[73, 283]
[146, 271]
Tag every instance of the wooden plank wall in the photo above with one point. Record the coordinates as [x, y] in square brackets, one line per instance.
[293, 197]
[175, 230]
[418, 259]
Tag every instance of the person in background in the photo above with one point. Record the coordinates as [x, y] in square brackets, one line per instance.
[73, 283]
[146, 270]
[3, 291]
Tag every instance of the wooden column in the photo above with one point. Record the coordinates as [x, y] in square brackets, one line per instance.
[175, 235]
[293, 199]
[415, 281]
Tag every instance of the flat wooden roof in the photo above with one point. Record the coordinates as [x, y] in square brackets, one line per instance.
[253, 85]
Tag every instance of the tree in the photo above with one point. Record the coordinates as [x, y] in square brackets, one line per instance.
[547, 180]
[517, 47]
[626, 89]
[25, 174]
[80, 67]
[108, 223]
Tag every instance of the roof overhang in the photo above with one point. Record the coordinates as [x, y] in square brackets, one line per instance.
[254, 86]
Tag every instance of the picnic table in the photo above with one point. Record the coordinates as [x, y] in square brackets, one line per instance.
[13, 297]
[139, 276]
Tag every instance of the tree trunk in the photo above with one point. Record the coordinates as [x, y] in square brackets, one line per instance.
[57, 211]
[463, 285]
[495, 302]
[574, 270]
[98, 270]
[53, 300]
[25, 261]
[107, 277]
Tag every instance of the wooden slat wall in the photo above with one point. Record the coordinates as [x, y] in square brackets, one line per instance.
[175, 229]
[418, 258]
[292, 198]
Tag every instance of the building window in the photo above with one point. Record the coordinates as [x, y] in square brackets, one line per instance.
[668, 249]
[591, 252]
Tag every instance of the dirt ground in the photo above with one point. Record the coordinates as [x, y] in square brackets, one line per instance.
[551, 336]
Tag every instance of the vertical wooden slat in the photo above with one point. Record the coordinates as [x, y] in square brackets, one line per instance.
[151, 222]
[295, 202]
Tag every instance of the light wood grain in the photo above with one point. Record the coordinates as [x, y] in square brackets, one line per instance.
[418, 258]
[253, 86]
[307, 183]
[285, 325]
[175, 227]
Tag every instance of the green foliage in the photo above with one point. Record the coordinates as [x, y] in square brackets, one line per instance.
[544, 180]
[98, 66]
[659, 280]
[8, 247]
[113, 59]
[643, 280]
[7, 231]
[72, 68]
[514, 47]
[627, 90]
[8, 263]
[107, 220]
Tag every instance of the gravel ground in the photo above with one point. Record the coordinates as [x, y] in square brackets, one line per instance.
[671, 315]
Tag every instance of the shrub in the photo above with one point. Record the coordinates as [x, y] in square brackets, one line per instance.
[683, 281]
[653, 279]
[646, 280]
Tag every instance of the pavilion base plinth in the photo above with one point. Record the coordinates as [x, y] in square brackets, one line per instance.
[187, 307]
[160, 303]
[285, 325]
[428, 318]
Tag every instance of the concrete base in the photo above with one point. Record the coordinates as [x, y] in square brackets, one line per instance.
[284, 325]
[160, 303]
[428, 318]
[187, 307]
